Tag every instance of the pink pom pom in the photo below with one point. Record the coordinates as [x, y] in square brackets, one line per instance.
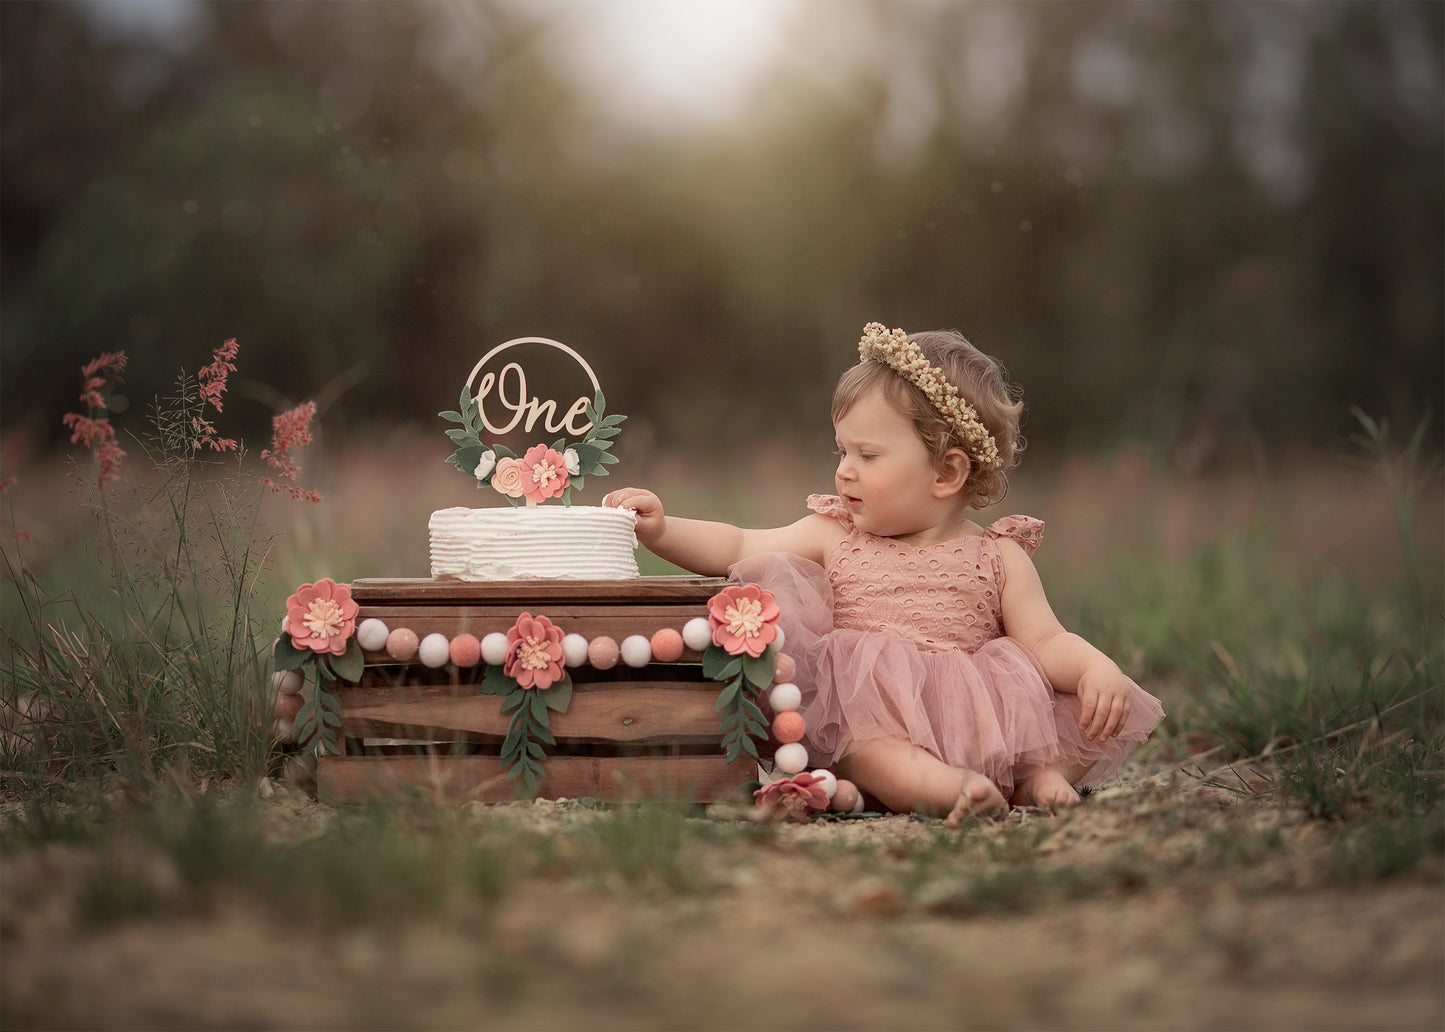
[603, 652]
[288, 704]
[401, 644]
[466, 650]
[786, 668]
[789, 726]
[845, 797]
[667, 645]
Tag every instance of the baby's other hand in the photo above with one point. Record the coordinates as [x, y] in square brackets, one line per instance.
[650, 515]
[1104, 700]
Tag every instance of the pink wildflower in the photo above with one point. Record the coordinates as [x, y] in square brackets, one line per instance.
[289, 430]
[212, 380]
[93, 429]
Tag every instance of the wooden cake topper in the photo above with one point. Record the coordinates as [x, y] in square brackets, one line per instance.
[494, 404]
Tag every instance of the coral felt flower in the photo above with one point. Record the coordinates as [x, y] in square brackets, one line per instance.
[796, 796]
[508, 477]
[544, 473]
[321, 616]
[744, 619]
[534, 652]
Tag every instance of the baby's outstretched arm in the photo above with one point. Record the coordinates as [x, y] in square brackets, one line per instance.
[709, 548]
[1071, 663]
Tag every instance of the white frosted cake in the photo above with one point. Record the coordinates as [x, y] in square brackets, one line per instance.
[576, 542]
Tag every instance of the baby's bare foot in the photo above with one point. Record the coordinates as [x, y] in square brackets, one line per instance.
[976, 795]
[1048, 789]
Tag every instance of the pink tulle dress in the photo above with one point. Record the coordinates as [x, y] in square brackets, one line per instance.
[902, 641]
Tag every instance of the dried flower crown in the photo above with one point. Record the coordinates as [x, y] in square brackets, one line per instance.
[893, 349]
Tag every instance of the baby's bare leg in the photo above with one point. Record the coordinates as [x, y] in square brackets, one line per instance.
[903, 777]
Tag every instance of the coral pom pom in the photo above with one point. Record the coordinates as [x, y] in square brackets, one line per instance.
[789, 726]
[636, 651]
[697, 633]
[845, 797]
[602, 653]
[785, 669]
[791, 758]
[574, 650]
[434, 650]
[785, 697]
[667, 645]
[401, 644]
[466, 650]
[494, 648]
[371, 634]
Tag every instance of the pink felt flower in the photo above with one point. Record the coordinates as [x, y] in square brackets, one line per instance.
[321, 616]
[508, 477]
[744, 619]
[534, 652]
[544, 473]
[796, 796]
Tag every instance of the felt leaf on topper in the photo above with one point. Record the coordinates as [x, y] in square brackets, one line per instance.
[541, 471]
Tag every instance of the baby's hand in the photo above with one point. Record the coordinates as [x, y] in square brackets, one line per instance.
[1104, 700]
[650, 516]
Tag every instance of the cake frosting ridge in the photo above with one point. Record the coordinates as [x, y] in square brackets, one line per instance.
[574, 542]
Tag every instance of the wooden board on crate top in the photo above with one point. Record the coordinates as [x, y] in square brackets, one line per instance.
[537, 591]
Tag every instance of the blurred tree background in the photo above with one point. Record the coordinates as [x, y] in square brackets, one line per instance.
[1208, 226]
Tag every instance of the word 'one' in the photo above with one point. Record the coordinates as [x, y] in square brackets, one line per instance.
[526, 408]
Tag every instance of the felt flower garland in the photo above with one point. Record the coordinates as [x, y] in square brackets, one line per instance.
[320, 633]
[534, 683]
[541, 472]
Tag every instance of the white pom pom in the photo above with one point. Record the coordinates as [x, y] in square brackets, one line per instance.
[791, 758]
[574, 650]
[287, 682]
[858, 806]
[371, 634]
[829, 783]
[636, 651]
[494, 648]
[697, 633]
[779, 640]
[434, 650]
[784, 697]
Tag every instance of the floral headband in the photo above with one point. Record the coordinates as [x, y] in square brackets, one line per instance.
[893, 349]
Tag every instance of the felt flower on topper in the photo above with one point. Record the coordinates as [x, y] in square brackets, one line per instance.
[534, 652]
[510, 477]
[544, 474]
[744, 619]
[793, 797]
[321, 617]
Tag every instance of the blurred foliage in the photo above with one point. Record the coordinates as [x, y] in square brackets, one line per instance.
[1214, 226]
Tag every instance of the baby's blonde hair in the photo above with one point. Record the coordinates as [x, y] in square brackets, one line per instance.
[983, 383]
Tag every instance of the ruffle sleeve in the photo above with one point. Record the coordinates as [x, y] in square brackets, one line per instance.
[831, 505]
[1025, 531]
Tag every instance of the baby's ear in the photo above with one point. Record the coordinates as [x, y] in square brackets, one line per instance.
[953, 473]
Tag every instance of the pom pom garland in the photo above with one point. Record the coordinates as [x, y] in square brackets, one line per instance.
[434, 651]
[287, 682]
[791, 758]
[603, 653]
[785, 697]
[371, 634]
[494, 648]
[785, 668]
[788, 727]
[827, 781]
[401, 644]
[667, 645]
[465, 650]
[697, 633]
[636, 651]
[574, 650]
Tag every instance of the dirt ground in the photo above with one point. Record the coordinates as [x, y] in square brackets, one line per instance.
[1159, 909]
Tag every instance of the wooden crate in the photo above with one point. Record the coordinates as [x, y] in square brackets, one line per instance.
[628, 734]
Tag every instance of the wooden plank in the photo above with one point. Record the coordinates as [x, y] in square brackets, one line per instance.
[672, 713]
[417, 591]
[698, 779]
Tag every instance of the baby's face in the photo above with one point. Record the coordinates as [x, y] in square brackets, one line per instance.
[885, 474]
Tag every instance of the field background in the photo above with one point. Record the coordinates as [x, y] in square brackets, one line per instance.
[1205, 238]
